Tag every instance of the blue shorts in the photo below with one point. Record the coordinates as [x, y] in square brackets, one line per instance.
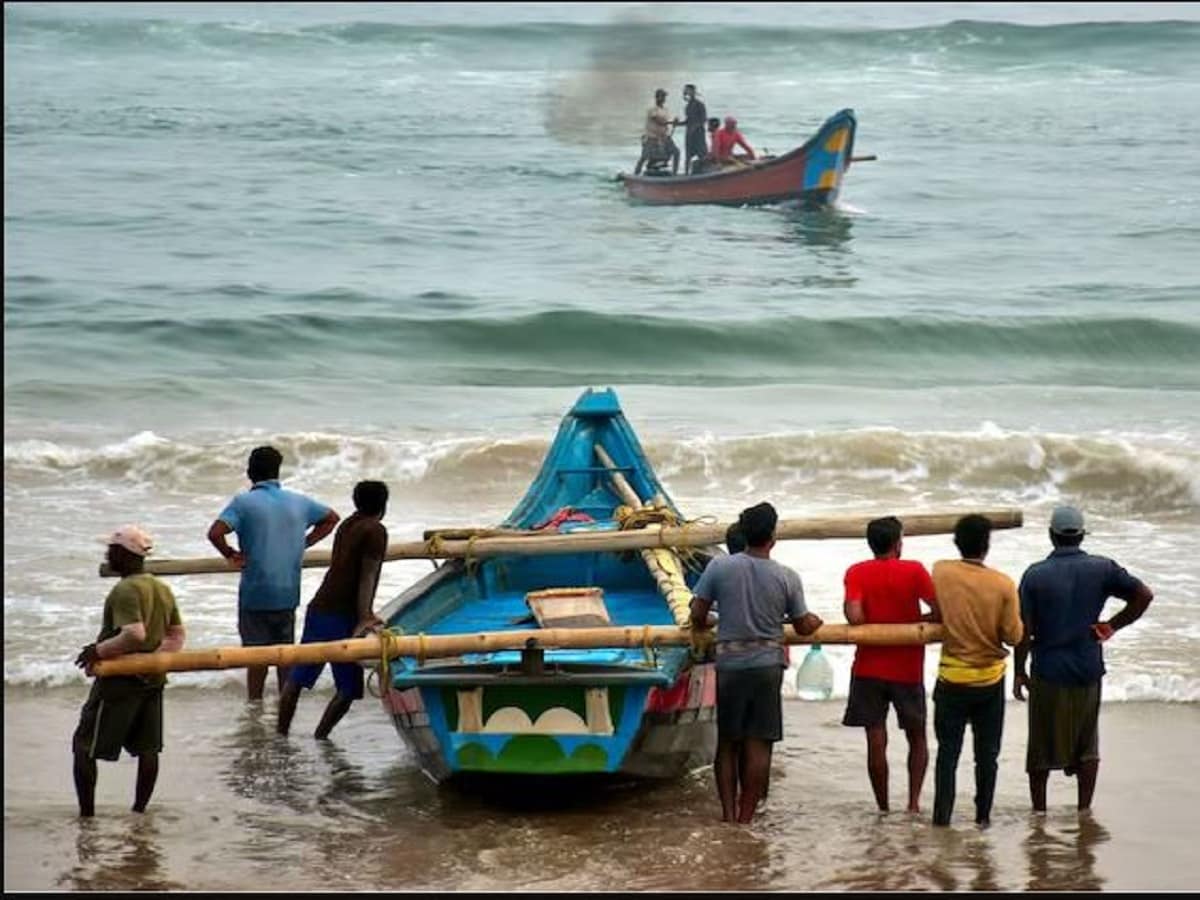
[322, 626]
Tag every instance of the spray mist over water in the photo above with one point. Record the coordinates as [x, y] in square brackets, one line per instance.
[604, 102]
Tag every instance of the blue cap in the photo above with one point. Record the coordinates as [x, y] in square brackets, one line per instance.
[1066, 520]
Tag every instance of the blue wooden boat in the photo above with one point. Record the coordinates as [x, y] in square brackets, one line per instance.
[618, 711]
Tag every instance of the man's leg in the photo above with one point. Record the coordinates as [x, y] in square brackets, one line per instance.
[1037, 789]
[755, 763]
[918, 763]
[85, 782]
[281, 676]
[877, 765]
[147, 776]
[949, 723]
[1087, 773]
[289, 696]
[725, 769]
[256, 679]
[987, 729]
[337, 708]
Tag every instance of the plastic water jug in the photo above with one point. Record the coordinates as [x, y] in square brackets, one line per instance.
[814, 678]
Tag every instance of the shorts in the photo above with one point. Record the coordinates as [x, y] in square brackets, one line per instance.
[327, 626]
[659, 148]
[868, 703]
[696, 144]
[262, 627]
[1064, 725]
[749, 704]
[120, 712]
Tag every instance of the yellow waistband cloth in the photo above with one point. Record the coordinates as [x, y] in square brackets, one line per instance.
[956, 671]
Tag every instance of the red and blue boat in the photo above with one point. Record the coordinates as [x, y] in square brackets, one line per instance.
[809, 176]
[645, 712]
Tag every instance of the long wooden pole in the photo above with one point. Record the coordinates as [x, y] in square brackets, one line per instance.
[447, 645]
[537, 544]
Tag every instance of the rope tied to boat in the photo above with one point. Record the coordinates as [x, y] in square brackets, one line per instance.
[421, 649]
[648, 648]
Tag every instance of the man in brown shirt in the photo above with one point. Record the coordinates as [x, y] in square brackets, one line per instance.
[980, 613]
[342, 606]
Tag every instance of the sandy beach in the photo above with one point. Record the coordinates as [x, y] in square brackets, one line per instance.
[238, 808]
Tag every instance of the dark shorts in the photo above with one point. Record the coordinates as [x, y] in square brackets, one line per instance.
[324, 626]
[869, 699]
[695, 143]
[1064, 725]
[659, 149]
[120, 712]
[261, 627]
[749, 704]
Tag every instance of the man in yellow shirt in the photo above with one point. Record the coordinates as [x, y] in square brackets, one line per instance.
[980, 613]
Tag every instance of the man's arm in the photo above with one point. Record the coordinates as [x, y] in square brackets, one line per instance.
[806, 624]
[216, 536]
[742, 143]
[1011, 628]
[368, 583]
[321, 530]
[1135, 605]
[173, 640]
[700, 607]
[1021, 651]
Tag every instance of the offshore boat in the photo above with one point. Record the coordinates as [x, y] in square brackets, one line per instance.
[809, 177]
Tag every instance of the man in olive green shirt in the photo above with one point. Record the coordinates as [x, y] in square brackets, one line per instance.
[140, 616]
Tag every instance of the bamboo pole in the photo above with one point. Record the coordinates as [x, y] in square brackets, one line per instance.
[692, 535]
[439, 646]
[678, 598]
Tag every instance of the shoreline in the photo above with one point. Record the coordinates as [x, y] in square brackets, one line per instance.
[238, 807]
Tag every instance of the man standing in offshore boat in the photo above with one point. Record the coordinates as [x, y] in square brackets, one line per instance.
[695, 147]
[754, 596]
[657, 143]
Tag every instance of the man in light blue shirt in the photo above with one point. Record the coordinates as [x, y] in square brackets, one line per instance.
[272, 525]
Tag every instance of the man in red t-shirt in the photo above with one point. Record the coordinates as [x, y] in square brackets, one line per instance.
[725, 139]
[887, 589]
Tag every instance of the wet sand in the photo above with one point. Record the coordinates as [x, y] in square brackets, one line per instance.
[238, 808]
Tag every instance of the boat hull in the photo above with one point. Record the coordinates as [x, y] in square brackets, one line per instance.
[650, 732]
[810, 176]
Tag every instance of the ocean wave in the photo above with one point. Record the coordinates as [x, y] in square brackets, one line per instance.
[572, 346]
[1117, 474]
[621, 42]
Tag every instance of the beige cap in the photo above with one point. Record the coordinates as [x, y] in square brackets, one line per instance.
[133, 538]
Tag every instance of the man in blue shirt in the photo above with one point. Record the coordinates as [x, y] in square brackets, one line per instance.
[1062, 598]
[272, 525]
[754, 596]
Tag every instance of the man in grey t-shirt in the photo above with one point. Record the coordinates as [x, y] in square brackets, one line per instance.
[754, 596]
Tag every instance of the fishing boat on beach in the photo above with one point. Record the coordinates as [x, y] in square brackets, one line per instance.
[640, 711]
[809, 176]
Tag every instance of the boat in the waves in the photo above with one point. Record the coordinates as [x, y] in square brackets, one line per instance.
[809, 176]
[646, 712]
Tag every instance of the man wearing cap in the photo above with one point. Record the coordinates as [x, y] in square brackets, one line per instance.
[657, 143]
[140, 616]
[273, 528]
[1062, 598]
